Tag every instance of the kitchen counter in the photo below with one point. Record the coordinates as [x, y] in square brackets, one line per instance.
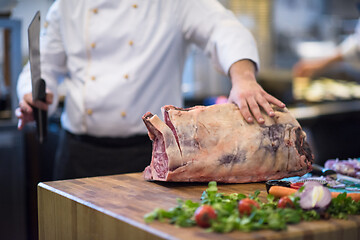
[316, 110]
[112, 207]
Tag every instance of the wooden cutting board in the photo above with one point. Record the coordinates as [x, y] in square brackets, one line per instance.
[113, 207]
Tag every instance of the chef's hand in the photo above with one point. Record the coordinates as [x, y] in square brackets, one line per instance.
[308, 68]
[24, 112]
[248, 94]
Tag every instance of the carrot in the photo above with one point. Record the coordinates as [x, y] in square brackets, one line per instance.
[279, 191]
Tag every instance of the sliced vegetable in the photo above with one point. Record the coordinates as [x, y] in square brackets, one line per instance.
[247, 205]
[279, 191]
[315, 196]
[203, 216]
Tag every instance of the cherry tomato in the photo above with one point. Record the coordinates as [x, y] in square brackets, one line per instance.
[203, 215]
[246, 206]
[285, 202]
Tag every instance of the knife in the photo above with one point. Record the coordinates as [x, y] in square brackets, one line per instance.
[37, 83]
[321, 171]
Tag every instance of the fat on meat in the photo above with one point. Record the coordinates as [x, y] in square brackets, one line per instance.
[215, 143]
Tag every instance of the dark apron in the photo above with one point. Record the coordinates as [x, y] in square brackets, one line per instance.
[86, 156]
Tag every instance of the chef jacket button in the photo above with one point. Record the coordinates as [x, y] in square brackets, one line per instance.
[93, 78]
[123, 114]
[95, 10]
[134, 5]
[93, 45]
[131, 43]
[126, 76]
[89, 112]
[46, 24]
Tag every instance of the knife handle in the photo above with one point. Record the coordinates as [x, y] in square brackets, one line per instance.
[40, 116]
[317, 170]
[320, 171]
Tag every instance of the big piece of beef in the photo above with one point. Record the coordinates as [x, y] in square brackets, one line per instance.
[215, 143]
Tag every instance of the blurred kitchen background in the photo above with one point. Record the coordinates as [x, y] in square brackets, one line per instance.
[328, 107]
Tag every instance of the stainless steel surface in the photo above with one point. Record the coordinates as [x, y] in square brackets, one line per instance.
[322, 109]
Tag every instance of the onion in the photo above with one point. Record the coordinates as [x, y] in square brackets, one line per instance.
[314, 196]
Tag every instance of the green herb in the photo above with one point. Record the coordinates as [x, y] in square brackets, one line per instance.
[342, 206]
[268, 216]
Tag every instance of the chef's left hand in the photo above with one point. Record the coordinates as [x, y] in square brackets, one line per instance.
[248, 94]
[25, 113]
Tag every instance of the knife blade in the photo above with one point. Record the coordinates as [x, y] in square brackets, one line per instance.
[37, 83]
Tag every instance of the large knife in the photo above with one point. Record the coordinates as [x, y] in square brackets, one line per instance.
[38, 84]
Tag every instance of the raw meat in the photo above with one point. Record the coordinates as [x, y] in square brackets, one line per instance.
[215, 143]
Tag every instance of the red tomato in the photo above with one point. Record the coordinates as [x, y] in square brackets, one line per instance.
[285, 202]
[246, 206]
[203, 215]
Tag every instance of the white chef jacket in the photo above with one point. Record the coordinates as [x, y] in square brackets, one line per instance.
[122, 58]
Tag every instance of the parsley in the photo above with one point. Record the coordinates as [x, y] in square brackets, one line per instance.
[342, 206]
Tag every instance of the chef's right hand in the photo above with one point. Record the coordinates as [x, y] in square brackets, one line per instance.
[24, 112]
[247, 93]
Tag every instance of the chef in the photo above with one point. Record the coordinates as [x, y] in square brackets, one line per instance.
[121, 59]
[348, 50]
